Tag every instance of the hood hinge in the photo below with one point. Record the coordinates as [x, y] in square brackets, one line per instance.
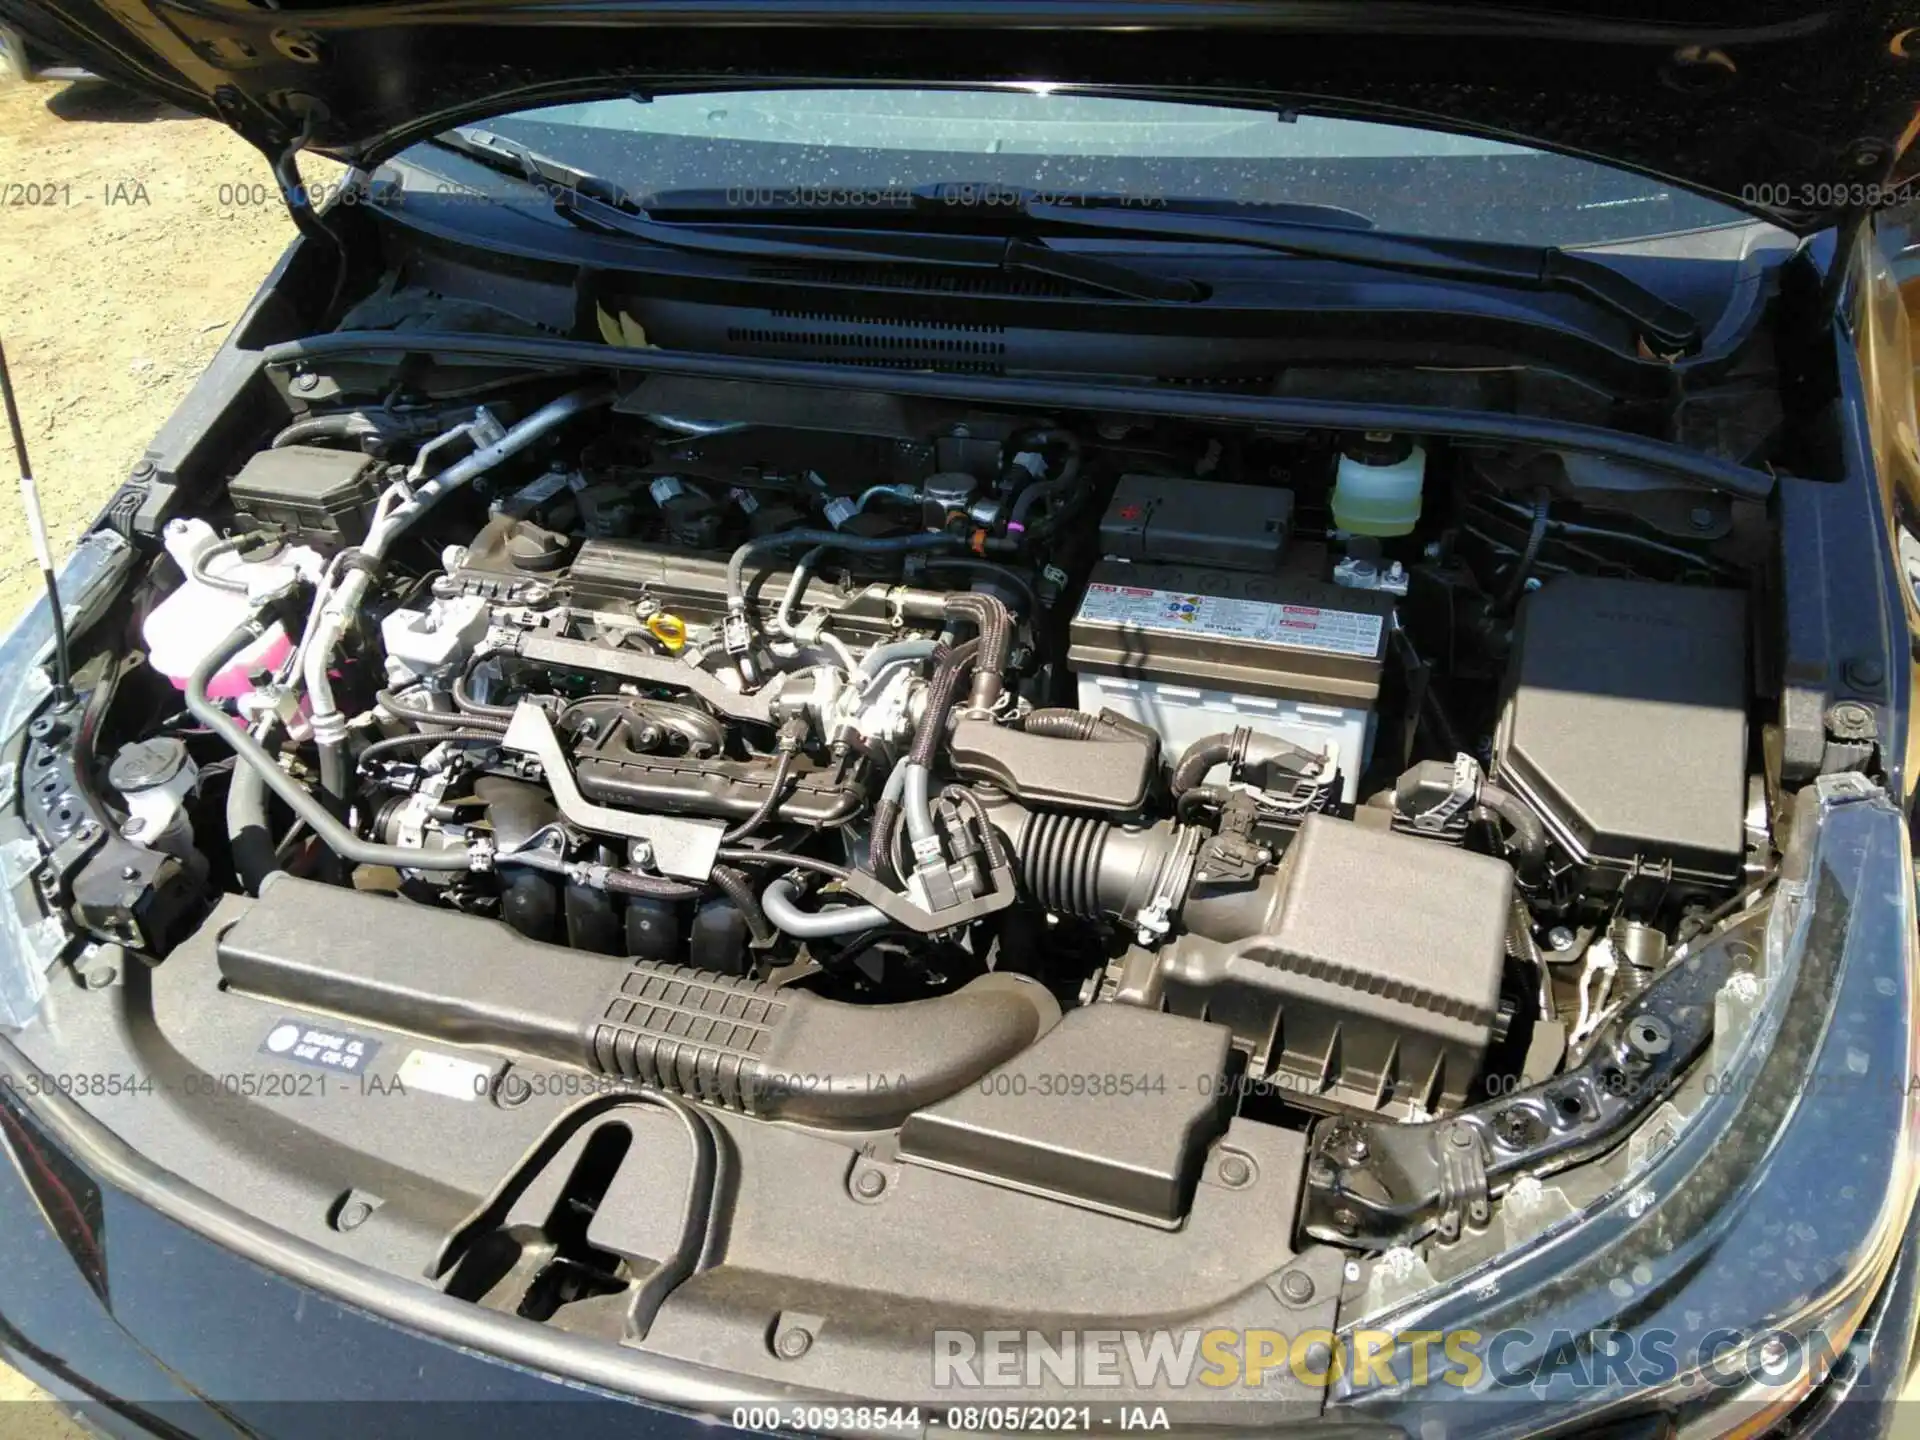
[280, 133]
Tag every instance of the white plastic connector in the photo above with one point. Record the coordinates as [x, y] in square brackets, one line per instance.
[420, 643]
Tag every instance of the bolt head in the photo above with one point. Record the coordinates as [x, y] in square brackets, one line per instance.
[1850, 720]
[1235, 1171]
[1296, 1287]
[512, 1090]
[792, 1344]
[1702, 517]
[869, 1185]
[354, 1214]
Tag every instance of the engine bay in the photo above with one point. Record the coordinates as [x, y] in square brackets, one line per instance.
[1085, 810]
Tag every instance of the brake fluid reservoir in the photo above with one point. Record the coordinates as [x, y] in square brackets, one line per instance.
[1376, 488]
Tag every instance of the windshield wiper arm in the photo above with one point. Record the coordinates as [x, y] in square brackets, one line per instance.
[837, 243]
[542, 172]
[594, 203]
[1664, 327]
[1314, 231]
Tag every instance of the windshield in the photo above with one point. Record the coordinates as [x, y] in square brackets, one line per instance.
[767, 147]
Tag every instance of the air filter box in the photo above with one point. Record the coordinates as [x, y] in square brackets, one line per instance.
[1625, 727]
[1364, 974]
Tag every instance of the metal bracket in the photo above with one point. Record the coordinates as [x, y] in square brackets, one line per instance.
[902, 911]
[548, 649]
[1377, 1184]
[684, 849]
[1463, 1180]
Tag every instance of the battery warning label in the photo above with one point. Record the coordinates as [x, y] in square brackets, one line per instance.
[1294, 627]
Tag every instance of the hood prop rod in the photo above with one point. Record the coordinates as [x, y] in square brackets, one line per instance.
[43, 552]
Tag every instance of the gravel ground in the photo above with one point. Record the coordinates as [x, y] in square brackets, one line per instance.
[131, 235]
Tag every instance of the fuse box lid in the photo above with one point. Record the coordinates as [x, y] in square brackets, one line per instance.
[1180, 521]
[1625, 722]
[308, 490]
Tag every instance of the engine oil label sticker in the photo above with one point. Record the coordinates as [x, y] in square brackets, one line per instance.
[322, 1047]
[1296, 627]
[447, 1075]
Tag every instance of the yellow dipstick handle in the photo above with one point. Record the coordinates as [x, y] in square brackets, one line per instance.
[669, 630]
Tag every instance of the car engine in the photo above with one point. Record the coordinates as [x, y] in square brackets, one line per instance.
[1356, 777]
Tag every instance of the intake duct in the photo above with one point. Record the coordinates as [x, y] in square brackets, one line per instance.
[738, 1044]
[1084, 866]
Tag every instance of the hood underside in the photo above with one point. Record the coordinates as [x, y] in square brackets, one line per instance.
[1795, 112]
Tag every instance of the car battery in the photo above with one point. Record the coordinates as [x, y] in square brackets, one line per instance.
[1194, 650]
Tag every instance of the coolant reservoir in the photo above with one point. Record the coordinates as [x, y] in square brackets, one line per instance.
[184, 627]
[1376, 488]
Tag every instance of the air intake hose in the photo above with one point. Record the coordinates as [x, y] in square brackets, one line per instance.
[738, 1044]
[1081, 865]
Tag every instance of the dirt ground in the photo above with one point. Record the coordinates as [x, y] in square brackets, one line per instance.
[131, 235]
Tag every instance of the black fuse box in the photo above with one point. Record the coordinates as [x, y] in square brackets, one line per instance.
[1175, 521]
[1625, 728]
[309, 492]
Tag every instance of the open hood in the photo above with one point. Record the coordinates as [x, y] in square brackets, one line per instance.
[1795, 111]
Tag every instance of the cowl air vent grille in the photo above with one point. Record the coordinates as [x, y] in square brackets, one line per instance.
[920, 280]
[1248, 384]
[916, 344]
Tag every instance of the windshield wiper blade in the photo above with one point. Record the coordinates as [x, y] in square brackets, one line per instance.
[1665, 328]
[595, 203]
[1306, 230]
[957, 201]
[839, 244]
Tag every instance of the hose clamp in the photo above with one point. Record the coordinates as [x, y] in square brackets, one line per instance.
[1467, 778]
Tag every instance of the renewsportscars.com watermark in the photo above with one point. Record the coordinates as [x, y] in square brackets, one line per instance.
[1226, 1360]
